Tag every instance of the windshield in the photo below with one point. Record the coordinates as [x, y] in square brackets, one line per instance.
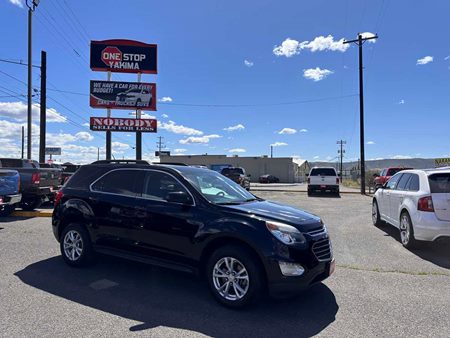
[323, 172]
[217, 188]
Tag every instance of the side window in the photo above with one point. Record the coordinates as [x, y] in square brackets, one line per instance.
[158, 185]
[403, 182]
[393, 181]
[120, 182]
[413, 184]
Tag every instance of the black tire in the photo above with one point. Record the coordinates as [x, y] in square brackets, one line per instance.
[309, 192]
[253, 285]
[85, 255]
[376, 220]
[31, 203]
[407, 234]
[6, 210]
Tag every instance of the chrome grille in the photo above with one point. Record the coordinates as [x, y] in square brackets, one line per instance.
[316, 231]
[322, 250]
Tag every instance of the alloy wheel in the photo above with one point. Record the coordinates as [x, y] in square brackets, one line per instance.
[374, 213]
[73, 245]
[230, 278]
[405, 229]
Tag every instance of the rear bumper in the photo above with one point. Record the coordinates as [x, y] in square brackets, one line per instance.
[325, 187]
[10, 199]
[427, 227]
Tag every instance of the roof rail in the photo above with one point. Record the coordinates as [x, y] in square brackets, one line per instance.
[171, 163]
[121, 162]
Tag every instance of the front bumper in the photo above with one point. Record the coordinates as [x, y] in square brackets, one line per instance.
[288, 286]
[10, 199]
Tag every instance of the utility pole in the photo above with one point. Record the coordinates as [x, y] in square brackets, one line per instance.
[360, 41]
[23, 140]
[341, 155]
[271, 151]
[31, 7]
[43, 107]
[98, 153]
[160, 143]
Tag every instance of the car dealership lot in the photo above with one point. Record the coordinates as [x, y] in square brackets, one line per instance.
[379, 288]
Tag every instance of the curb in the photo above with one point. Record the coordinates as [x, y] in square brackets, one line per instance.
[32, 214]
[304, 192]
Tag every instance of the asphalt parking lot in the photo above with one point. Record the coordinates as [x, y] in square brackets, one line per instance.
[379, 288]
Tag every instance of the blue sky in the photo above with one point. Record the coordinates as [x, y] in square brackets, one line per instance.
[238, 63]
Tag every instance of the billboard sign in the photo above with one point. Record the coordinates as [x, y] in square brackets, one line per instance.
[122, 95]
[123, 56]
[123, 124]
[52, 151]
[442, 162]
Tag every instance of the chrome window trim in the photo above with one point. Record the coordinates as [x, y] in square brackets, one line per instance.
[141, 197]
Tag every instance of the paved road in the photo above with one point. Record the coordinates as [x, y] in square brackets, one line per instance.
[297, 187]
[379, 288]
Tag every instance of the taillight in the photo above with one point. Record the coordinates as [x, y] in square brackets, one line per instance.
[35, 178]
[337, 180]
[59, 195]
[425, 204]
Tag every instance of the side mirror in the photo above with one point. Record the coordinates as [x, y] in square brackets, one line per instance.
[179, 197]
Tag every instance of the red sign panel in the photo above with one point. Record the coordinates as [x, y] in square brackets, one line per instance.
[124, 56]
[123, 124]
[123, 95]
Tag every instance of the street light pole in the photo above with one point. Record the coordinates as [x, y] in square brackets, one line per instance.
[31, 8]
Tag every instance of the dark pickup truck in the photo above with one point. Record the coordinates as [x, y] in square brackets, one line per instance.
[36, 184]
[9, 191]
[238, 175]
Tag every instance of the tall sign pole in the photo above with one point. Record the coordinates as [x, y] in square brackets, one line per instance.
[108, 133]
[360, 41]
[31, 7]
[43, 107]
[138, 133]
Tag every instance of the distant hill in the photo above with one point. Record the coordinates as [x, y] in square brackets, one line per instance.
[416, 163]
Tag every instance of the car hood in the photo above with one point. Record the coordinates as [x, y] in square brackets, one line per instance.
[302, 220]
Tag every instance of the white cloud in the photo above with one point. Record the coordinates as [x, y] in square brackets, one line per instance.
[316, 157]
[303, 130]
[248, 63]
[143, 115]
[165, 99]
[400, 157]
[288, 48]
[201, 139]
[369, 35]
[18, 3]
[172, 127]
[279, 144]
[424, 60]
[84, 136]
[180, 150]
[165, 116]
[291, 47]
[237, 150]
[86, 124]
[19, 110]
[447, 57]
[235, 128]
[370, 142]
[316, 74]
[288, 131]
[401, 101]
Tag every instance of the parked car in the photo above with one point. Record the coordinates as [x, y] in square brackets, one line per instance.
[9, 191]
[238, 175]
[68, 169]
[385, 175]
[193, 220]
[417, 203]
[268, 179]
[323, 179]
[36, 184]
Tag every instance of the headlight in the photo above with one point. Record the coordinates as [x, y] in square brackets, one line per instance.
[285, 233]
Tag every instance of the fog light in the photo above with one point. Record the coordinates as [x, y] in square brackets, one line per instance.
[291, 269]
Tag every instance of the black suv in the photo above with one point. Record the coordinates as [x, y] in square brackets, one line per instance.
[194, 220]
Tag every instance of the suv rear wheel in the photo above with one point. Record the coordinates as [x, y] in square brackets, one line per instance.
[75, 245]
[407, 231]
[234, 276]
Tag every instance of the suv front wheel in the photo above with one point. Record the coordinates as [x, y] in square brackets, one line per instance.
[75, 245]
[234, 276]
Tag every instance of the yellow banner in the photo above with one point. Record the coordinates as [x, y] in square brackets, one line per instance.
[442, 162]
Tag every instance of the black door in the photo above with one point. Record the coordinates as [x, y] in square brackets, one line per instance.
[114, 203]
[166, 230]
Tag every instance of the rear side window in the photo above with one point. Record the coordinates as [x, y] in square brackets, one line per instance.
[403, 182]
[413, 184]
[158, 185]
[121, 182]
[322, 172]
[439, 183]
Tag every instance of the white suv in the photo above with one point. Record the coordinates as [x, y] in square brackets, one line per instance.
[417, 202]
